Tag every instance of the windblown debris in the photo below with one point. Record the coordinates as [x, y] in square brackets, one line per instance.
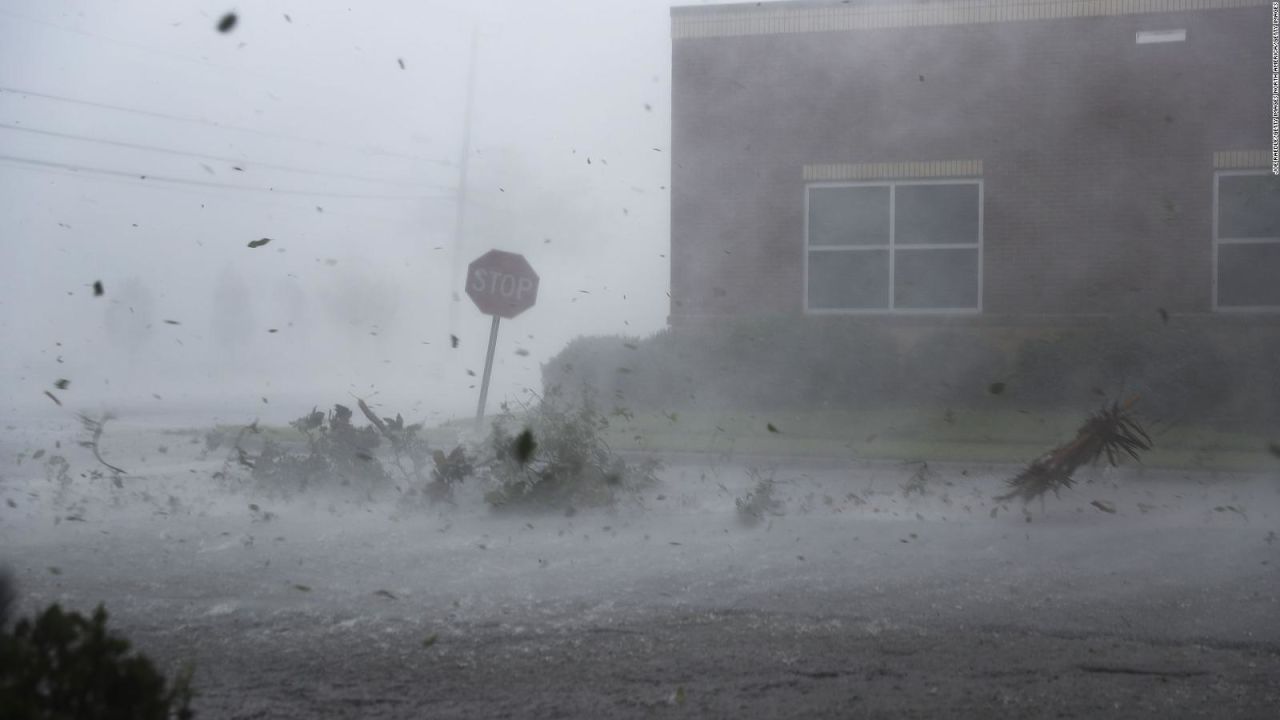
[1111, 430]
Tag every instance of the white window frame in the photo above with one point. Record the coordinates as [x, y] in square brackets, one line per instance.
[1219, 241]
[892, 248]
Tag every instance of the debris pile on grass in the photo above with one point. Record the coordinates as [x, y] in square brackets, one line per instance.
[339, 454]
[559, 460]
[1112, 430]
[334, 453]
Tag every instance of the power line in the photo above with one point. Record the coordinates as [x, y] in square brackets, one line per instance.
[216, 158]
[142, 177]
[292, 78]
[219, 125]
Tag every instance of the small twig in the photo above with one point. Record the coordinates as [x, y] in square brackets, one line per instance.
[96, 427]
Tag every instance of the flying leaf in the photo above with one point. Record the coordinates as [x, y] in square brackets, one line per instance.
[51, 397]
[62, 383]
[431, 640]
[259, 243]
[995, 388]
[97, 288]
[772, 429]
[227, 23]
[453, 340]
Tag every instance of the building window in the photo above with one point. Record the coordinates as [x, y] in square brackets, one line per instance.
[1246, 241]
[911, 246]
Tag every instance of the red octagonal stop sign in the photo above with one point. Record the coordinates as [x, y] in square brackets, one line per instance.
[502, 283]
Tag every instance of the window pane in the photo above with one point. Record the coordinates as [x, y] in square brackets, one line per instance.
[849, 280]
[928, 214]
[1249, 275]
[849, 216]
[1248, 206]
[935, 279]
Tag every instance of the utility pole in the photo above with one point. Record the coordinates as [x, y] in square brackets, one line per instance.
[464, 160]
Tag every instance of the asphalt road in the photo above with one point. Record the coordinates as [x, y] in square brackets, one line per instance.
[857, 601]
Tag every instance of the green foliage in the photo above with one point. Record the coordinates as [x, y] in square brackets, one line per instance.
[1209, 369]
[768, 364]
[64, 666]
[449, 471]
[559, 459]
[339, 454]
[1180, 370]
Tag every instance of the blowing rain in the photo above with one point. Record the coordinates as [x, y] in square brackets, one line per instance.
[892, 358]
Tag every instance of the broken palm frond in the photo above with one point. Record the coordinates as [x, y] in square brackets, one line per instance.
[1110, 431]
[96, 427]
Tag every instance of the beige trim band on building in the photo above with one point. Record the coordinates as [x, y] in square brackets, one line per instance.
[893, 171]
[1241, 159]
[781, 18]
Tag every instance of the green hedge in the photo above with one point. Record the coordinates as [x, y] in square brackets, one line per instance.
[1227, 371]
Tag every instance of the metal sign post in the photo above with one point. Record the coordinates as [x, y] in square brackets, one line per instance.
[488, 368]
[501, 284]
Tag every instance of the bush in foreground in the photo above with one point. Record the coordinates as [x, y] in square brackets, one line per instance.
[65, 666]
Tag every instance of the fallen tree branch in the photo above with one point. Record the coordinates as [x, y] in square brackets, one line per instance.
[1110, 431]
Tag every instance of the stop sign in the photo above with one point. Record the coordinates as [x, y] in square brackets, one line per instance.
[502, 283]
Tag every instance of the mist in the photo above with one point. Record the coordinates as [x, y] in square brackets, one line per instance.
[889, 358]
[306, 130]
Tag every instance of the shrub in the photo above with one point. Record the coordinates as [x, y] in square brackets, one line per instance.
[64, 666]
[738, 365]
[338, 454]
[560, 459]
[1178, 371]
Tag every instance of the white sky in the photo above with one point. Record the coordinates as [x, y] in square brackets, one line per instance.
[321, 97]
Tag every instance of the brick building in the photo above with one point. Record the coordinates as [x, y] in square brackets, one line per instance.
[974, 161]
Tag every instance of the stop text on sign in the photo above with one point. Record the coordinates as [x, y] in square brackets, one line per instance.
[495, 282]
[502, 284]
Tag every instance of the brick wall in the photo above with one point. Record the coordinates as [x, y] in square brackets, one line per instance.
[1097, 152]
